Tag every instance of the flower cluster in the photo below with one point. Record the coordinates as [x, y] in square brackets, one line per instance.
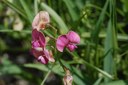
[39, 50]
[38, 39]
[69, 41]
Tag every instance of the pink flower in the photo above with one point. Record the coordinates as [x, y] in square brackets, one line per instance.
[68, 40]
[38, 47]
[40, 20]
[38, 39]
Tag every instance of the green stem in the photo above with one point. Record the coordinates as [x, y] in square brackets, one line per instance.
[54, 29]
[123, 53]
[52, 37]
[98, 81]
[50, 70]
[42, 83]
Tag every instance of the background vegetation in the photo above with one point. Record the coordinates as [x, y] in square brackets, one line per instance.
[101, 57]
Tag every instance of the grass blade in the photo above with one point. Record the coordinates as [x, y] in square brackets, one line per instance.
[14, 7]
[96, 31]
[70, 6]
[27, 10]
[108, 60]
[111, 42]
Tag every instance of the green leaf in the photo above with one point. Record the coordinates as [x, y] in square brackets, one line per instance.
[108, 60]
[37, 66]
[56, 68]
[111, 43]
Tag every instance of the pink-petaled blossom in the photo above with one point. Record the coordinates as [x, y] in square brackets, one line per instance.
[38, 48]
[40, 55]
[68, 40]
[38, 39]
[41, 20]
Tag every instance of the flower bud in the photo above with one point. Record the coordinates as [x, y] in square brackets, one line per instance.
[67, 78]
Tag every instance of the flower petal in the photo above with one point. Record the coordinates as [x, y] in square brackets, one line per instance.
[40, 20]
[35, 34]
[73, 37]
[40, 56]
[35, 44]
[43, 60]
[71, 47]
[42, 40]
[61, 42]
[38, 37]
[49, 55]
[36, 53]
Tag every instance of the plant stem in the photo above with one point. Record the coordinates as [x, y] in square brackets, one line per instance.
[54, 29]
[42, 83]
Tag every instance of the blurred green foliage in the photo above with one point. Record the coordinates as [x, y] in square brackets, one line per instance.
[101, 57]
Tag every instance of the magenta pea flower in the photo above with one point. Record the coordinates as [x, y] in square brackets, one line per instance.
[68, 40]
[41, 20]
[38, 48]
